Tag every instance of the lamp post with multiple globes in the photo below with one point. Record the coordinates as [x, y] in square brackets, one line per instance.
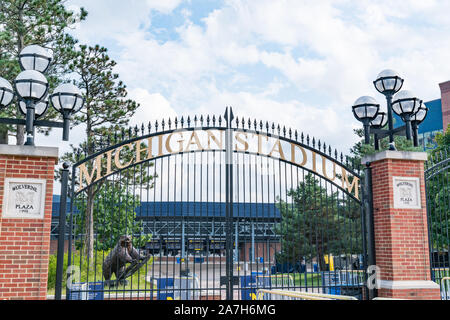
[403, 102]
[31, 91]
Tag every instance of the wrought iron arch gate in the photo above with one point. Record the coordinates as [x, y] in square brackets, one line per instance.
[221, 207]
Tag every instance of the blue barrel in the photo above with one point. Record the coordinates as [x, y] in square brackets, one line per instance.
[161, 284]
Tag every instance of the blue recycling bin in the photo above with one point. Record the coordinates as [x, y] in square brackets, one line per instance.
[315, 267]
[162, 286]
[86, 291]
[249, 285]
[199, 259]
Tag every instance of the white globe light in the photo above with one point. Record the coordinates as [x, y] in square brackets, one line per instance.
[67, 97]
[6, 93]
[35, 57]
[405, 103]
[380, 120]
[365, 108]
[420, 115]
[388, 81]
[39, 108]
[31, 84]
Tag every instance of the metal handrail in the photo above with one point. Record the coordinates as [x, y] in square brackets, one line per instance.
[303, 295]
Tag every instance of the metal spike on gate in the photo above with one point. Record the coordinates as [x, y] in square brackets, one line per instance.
[207, 120]
[296, 135]
[290, 133]
[260, 125]
[136, 130]
[201, 120]
[163, 124]
[195, 120]
[123, 133]
[237, 122]
[188, 121]
[318, 144]
[214, 120]
[307, 139]
[220, 120]
[335, 154]
[142, 129]
[284, 131]
[156, 126]
[176, 122]
[182, 122]
[249, 123]
[329, 151]
[243, 123]
[342, 158]
[313, 142]
[254, 124]
[169, 123]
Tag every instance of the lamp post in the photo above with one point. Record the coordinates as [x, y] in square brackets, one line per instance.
[403, 103]
[31, 89]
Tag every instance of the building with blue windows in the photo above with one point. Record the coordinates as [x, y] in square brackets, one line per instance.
[436, 120]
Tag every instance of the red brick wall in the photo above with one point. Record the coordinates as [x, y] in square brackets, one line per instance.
[25, 243]
[410, 294]
[401, 235]
[262, 249]
[445, 100]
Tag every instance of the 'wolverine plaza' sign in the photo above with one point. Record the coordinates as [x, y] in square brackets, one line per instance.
[183, 141]
[24, 198]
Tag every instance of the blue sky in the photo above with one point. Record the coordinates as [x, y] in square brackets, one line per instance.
[295, 62]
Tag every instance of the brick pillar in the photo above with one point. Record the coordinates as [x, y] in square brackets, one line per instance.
[445, 101]
[26, 191]
[400, 225]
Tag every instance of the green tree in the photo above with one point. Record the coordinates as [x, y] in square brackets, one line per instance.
[360, 149]
[317, 222]
[438, 192]
[443, 142]
[42, 22]
[106, 108]
[114, 215]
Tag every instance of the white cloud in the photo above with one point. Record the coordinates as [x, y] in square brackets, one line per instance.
[165, 6]
[153, 107]
[328, 51]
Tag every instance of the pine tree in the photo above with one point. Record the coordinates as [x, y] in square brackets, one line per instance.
[106, 109]
[317, 222]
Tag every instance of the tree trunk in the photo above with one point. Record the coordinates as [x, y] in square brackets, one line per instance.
[3, 135]
[20, 135]
[89, 225]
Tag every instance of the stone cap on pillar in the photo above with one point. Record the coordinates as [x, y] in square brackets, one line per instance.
[397, 155]
[29, 151]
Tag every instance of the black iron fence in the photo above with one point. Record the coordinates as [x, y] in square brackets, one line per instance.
[437, 177]
[214, 208]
